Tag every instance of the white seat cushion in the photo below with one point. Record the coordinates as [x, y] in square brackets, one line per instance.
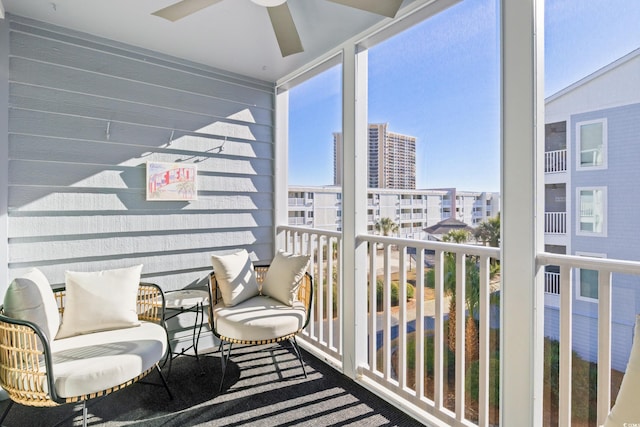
[626, 410]
[258, 319]
[90, 363]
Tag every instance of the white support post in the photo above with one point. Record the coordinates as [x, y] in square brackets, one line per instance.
[4, 162]
[281, 160]
[354, 209]
[522, 298]
[4, 155]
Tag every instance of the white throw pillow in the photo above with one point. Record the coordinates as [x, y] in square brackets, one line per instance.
[235, 276]
[31, 298]
[100, 301]
[626, 410]
[283, 277]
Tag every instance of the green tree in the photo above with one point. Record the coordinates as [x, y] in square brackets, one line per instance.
[472, 291]
[457, 236]
[488, 232]
[395, 293]
[386, 226]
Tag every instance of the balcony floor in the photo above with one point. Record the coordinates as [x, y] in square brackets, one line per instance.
[256, 393]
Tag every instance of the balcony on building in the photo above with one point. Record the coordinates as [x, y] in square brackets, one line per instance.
[555, 148]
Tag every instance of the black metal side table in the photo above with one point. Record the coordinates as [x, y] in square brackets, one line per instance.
[182, 301]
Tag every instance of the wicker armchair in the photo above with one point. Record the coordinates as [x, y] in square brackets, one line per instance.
[27, 358]
[260, 320]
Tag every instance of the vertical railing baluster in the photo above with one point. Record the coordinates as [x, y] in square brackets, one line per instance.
[566, 315]
[604, 345]
[402, 317]
[340, 293]
[438, 333]
[483, 333]
[460, 335]
[330, 299]
[386, 309]
[373, 309]
[321, 284]
[317, 268]
[419, 296]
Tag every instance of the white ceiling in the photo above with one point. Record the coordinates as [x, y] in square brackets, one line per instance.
[233, 35]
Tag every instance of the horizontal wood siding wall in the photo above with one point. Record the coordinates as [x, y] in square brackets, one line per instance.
[86, 114]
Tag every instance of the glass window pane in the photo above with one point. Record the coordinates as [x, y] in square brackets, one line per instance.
[591, 140]
[591, 211]
[589, 283]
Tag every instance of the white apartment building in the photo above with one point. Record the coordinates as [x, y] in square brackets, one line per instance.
[411, 210]
[591, 200]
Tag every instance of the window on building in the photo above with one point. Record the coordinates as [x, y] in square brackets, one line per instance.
[591, 144]
[592, 211]
[587, 280]
[588, 284]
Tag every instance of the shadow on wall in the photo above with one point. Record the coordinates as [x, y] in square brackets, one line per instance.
[85, 118]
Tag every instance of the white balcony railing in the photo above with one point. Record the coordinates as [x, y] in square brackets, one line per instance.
[325, 246]
[552, 283]
[555, 223]
[387, 341]
[606, 268]
[422, 379]
[555, 161]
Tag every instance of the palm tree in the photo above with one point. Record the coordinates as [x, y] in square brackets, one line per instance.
[472, 281]
[386, 226]
[488, 232]
[455, 236]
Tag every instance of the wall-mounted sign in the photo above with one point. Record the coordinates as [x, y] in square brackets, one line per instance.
[171, 181]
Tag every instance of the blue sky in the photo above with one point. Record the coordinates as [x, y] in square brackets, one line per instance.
[439, 81]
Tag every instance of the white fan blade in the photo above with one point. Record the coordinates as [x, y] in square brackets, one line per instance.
[379, 7]
[285, 30]
[183, 8]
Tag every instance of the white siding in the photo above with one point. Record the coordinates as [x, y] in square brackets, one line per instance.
[84, 117]
[608, 87]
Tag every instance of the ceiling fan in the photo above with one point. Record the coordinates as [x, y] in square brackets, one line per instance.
[281, 20]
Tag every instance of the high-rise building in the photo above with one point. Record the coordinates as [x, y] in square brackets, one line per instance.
[391, 159]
